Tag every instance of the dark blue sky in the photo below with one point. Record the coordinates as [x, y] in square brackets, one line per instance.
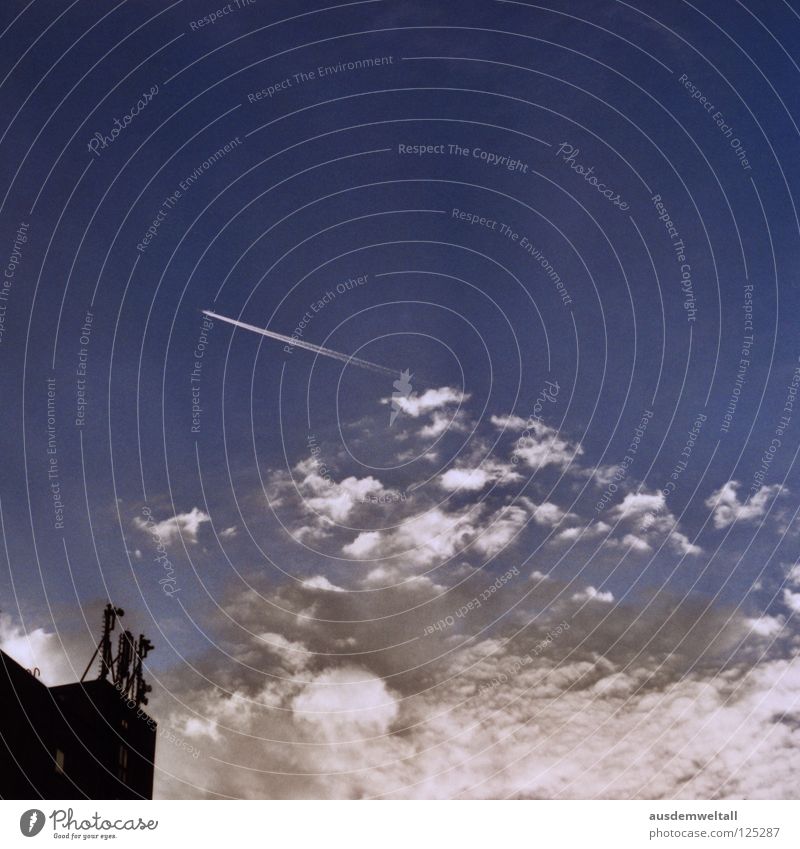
[317, 191]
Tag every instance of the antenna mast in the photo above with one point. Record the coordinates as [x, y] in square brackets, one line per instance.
[126, 669]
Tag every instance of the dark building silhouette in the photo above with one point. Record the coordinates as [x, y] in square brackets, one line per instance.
[87, 740]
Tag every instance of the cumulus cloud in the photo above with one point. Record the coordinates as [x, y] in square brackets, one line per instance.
[337, 501]
[546, 513]
[320, 582]
[470, 480]
[440, 422]
[441, 410]
[40, 649]
[185, 525]
[438, 535]
[508, 422]
[346, 702]
[317, 502]
[487, 682]
[430, 400]
[593, 594]
[586, 532]
[602, 476]
[792, 600]
[474, 479]
[496, 676]
[636, 543]
[641, 521]
[501, 529]
[767, 626]
[433, 536]
[637, 505]
[644, 516]
[727, 508]
[588, 702]
[543, 446]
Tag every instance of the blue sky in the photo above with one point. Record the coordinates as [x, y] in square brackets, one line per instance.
[573, 225]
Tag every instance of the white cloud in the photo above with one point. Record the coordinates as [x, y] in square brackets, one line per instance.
[291, 656]
[430, 400]
[320, 582]
[727, 508]
[500, 530]
[644, 516]
[184, 525]
[37, 649]
[681, 543]
[792, 600]
[469, 479]
[545, 447]
[438, 424]
[196, 728]
[430, 537]
[594, 529]
[320, 498]
[501, 724]
[636, 505]
[635, 542]
[766, 626]
[438, 535]
[602, 476]
[546, 513]
[539, 445]
[346, 703]
[593, 594]
[337, 501]
[229, 533]
[364, 545]
[613, 710]
[508, 422]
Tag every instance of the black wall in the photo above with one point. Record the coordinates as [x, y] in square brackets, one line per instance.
[108, 746]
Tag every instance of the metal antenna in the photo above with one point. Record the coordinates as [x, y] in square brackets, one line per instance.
[126, 669]
[110, 614]
[141, 689]
[122, 666]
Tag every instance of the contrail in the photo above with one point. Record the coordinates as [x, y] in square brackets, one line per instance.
[308, 346]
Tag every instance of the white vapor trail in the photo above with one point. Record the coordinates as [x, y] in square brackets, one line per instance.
[308, 346]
